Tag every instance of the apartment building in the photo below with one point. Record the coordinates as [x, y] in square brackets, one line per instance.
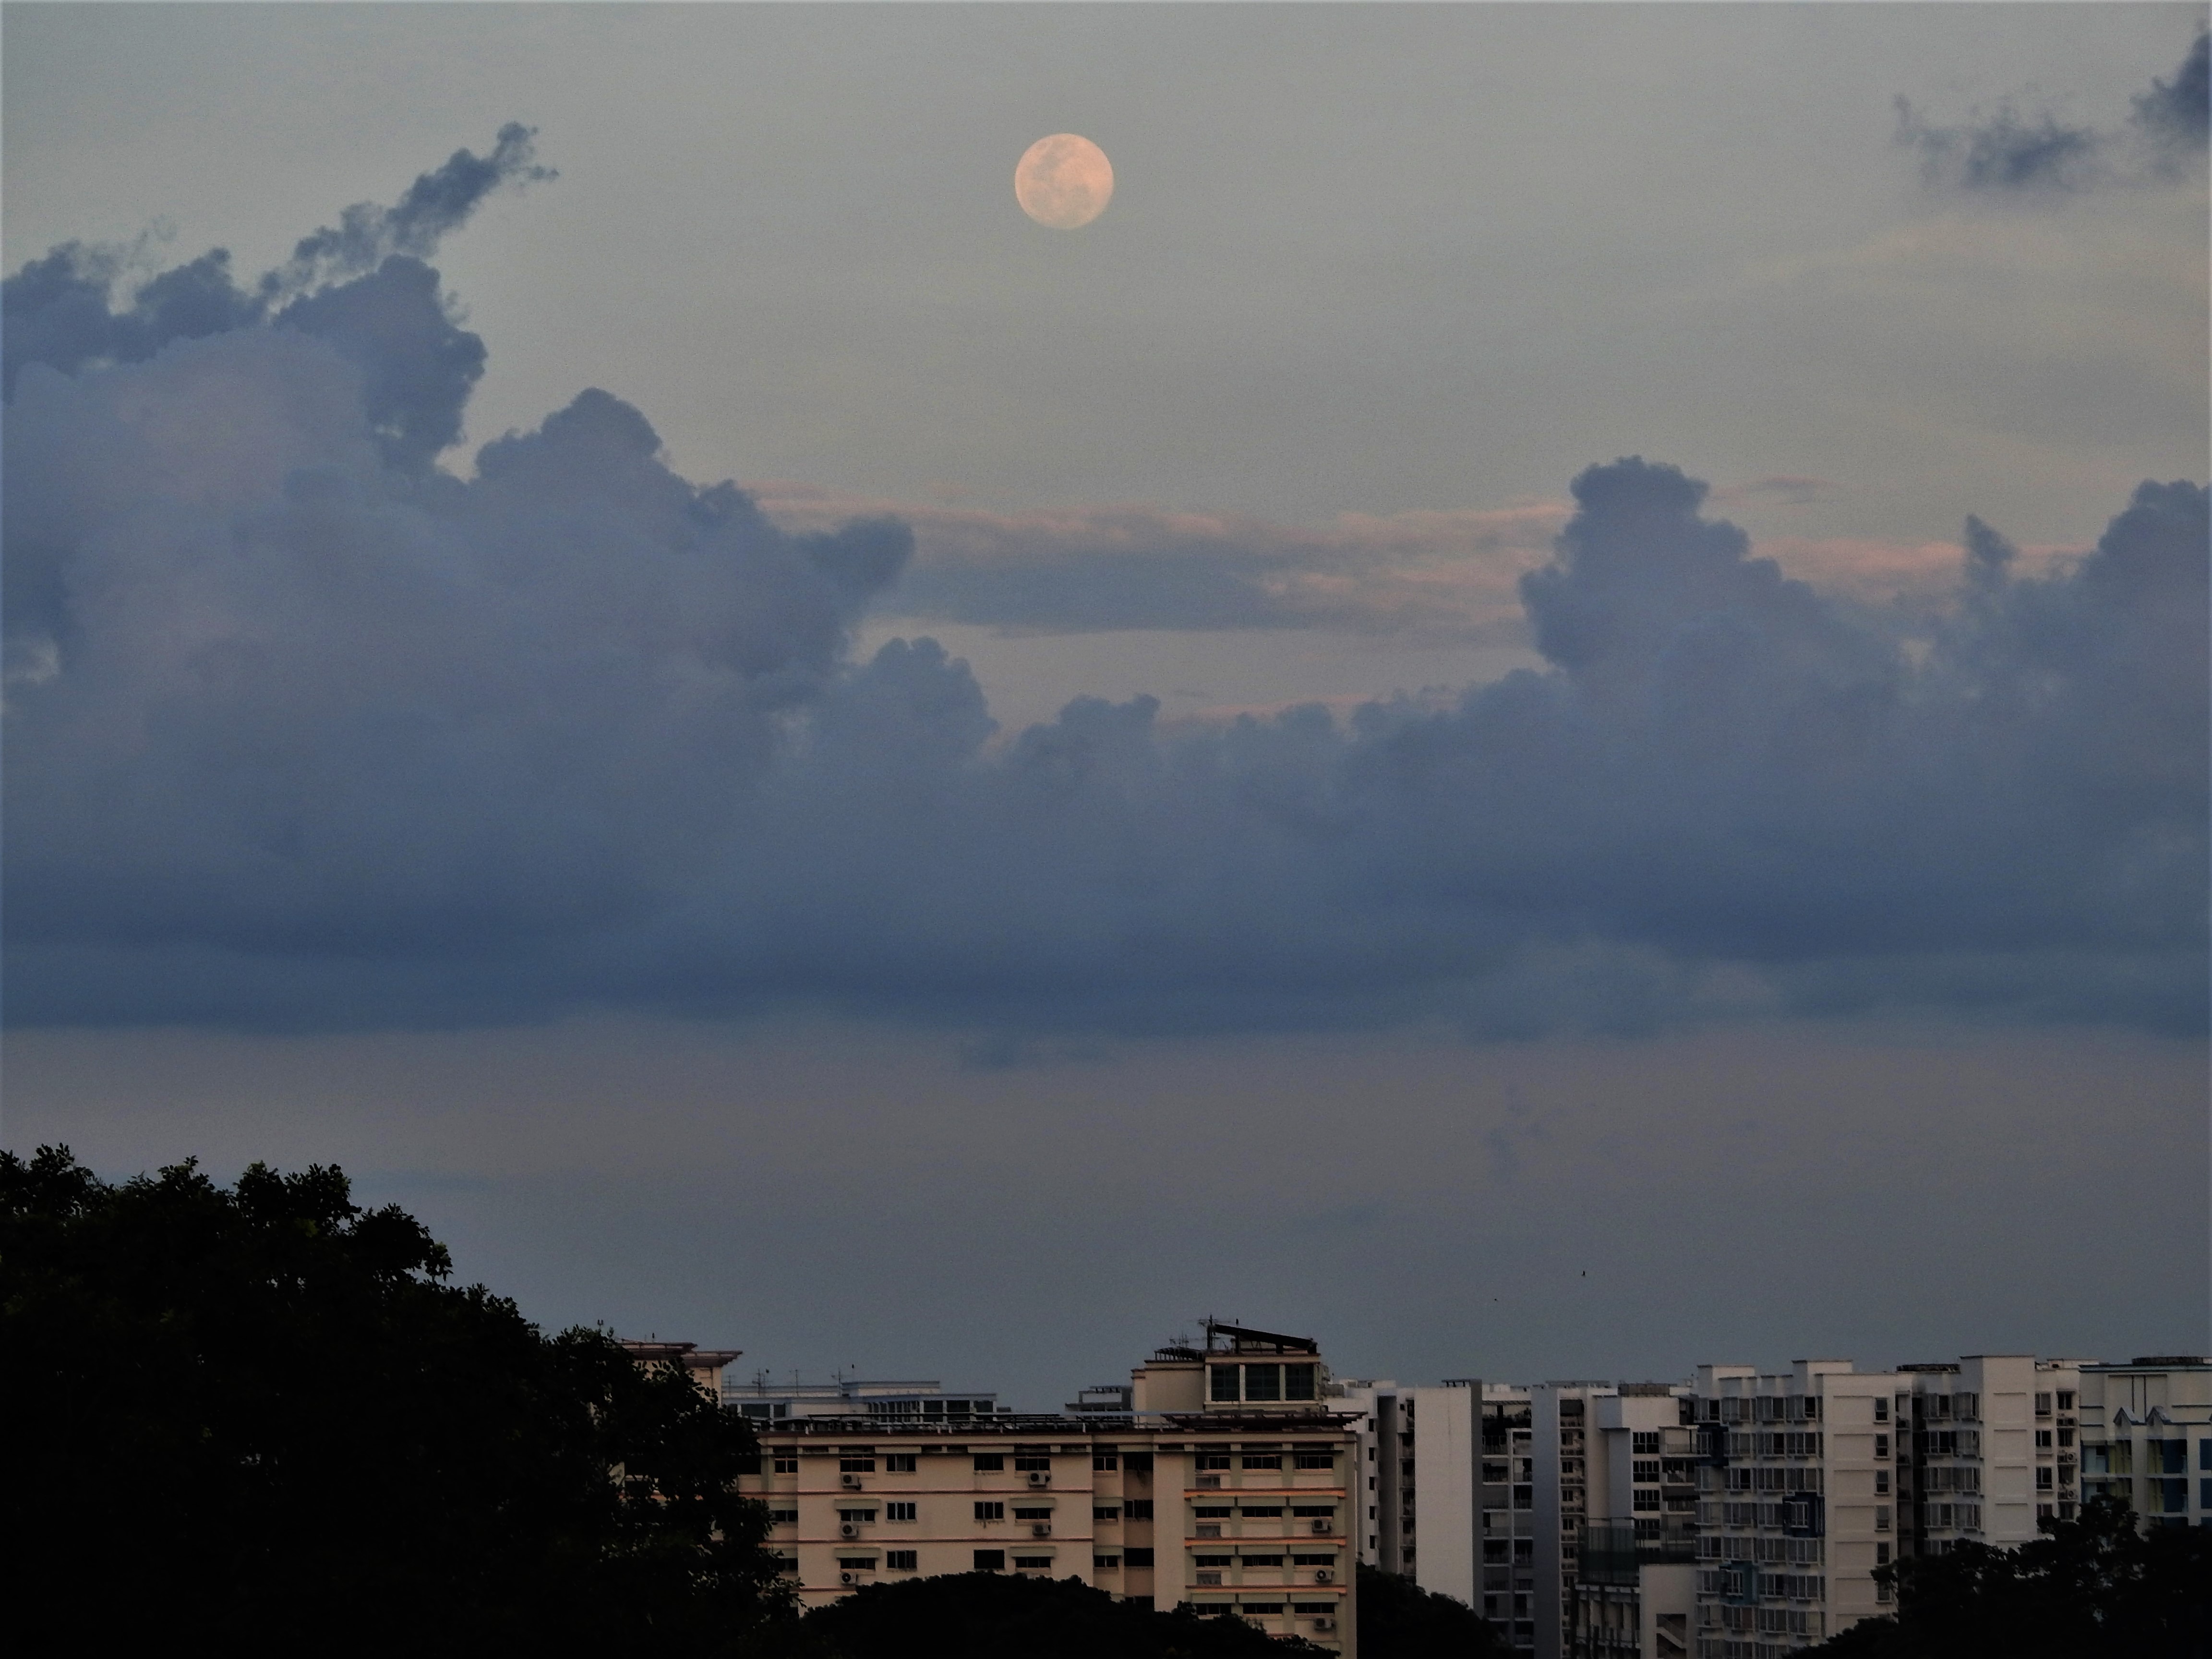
[1229, 1485]
[764, 1399]
[2146, 1434]
[1985, 1450]
[1796, 1504]
[1634, 1592]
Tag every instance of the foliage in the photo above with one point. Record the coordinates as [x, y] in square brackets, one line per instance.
[985, 1615]
[262, 1416]
[1399, 1619]
[2095, 1588]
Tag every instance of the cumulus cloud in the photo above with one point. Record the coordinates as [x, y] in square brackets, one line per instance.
[304, 731]
[2011, 151]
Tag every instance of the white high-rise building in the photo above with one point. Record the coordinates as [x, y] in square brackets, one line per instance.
[1635, 1590]
[1979, 1451]
[1797, 1507]
[2146, 1430]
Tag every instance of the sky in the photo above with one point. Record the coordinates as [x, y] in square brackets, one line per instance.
[1542, 710]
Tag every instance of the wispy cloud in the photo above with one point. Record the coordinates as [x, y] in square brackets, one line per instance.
[2011, 151]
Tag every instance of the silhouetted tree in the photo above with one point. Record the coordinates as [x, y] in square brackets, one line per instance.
[2095, 1588]
[1399, 1619]
[988, 1615]
[259, 1417]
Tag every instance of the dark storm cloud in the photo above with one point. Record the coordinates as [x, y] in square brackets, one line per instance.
[2010, 151]
[304, 731]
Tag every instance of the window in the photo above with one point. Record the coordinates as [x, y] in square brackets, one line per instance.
[858, 1517]
[1207, 1459]
[1882, 1411]
[785, 1466]
[902, 1463]
[1297, 1382]
[1263, 1460]
[783, 1517]
[1644, 1445]
[2043, 1405]
[857, 1465]
[1254, 1609]
[2205, 1454]
[898, 1512]
[1105, 1563]
[786, 1563]
[1263, 1382]
[1263, 1560]
[902, 1560]
[857, 1563]
[1212, 1560]
[2043, 1440]
[2172, 1495]
[1313, 1512]
[990, 1560]
[1647, 1473]
[1136, 1557]
[1644, 1498]
[1106, 1460]
[989, 1461]
[1882, 1482]
[1222, 1383]
[1138, 1508]
[1306, 1608]
[1033, 1462]
[1022, 1514]
[1493, 1549]
[1105, 1512]
[1270, 1510]
[1881, 1518]
[2166, 1457]
[2065, 1399]
[990, 1511]
[1212, 1512]
[1328, 1560]
[1882, 1445]
[1031, 1563]
[1316, 1460]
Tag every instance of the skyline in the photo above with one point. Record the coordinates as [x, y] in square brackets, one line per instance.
[1581, 711]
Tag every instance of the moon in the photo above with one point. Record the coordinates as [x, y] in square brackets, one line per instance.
[1064, 181]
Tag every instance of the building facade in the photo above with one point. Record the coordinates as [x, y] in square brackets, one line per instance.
[1797, 1505]
[1229, 1485]
[1986, 1450]
[1634, 1593]
[2145, 1436]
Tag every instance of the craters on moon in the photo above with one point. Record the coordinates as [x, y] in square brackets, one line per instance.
[1064, 181]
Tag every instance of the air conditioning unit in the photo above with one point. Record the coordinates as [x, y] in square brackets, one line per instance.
[850, 1482]
[848, 1530]
[1041, 1529]
[848, 1577]
[1040, 1477]
[1321, 1576]
[1324, 1527]
[1324, 1623]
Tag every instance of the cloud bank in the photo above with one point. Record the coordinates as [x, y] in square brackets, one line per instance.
[304, 731]
[2011, 152]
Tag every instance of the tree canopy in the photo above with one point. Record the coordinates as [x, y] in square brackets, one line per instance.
[2094, 1588]
[985, 1615]
[262, 1415]
[1399, 1619]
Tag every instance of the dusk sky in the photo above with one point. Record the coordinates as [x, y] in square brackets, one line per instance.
[1541, 710]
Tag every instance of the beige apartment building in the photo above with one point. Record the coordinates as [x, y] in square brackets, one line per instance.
[1985, 1450]
[1228, 1485]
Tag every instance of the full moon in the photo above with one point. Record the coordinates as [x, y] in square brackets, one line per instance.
[1064, 181]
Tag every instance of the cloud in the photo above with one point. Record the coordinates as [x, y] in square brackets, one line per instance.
[2007, 151]
[1446, 575]
[304, 732]
[60, 310]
